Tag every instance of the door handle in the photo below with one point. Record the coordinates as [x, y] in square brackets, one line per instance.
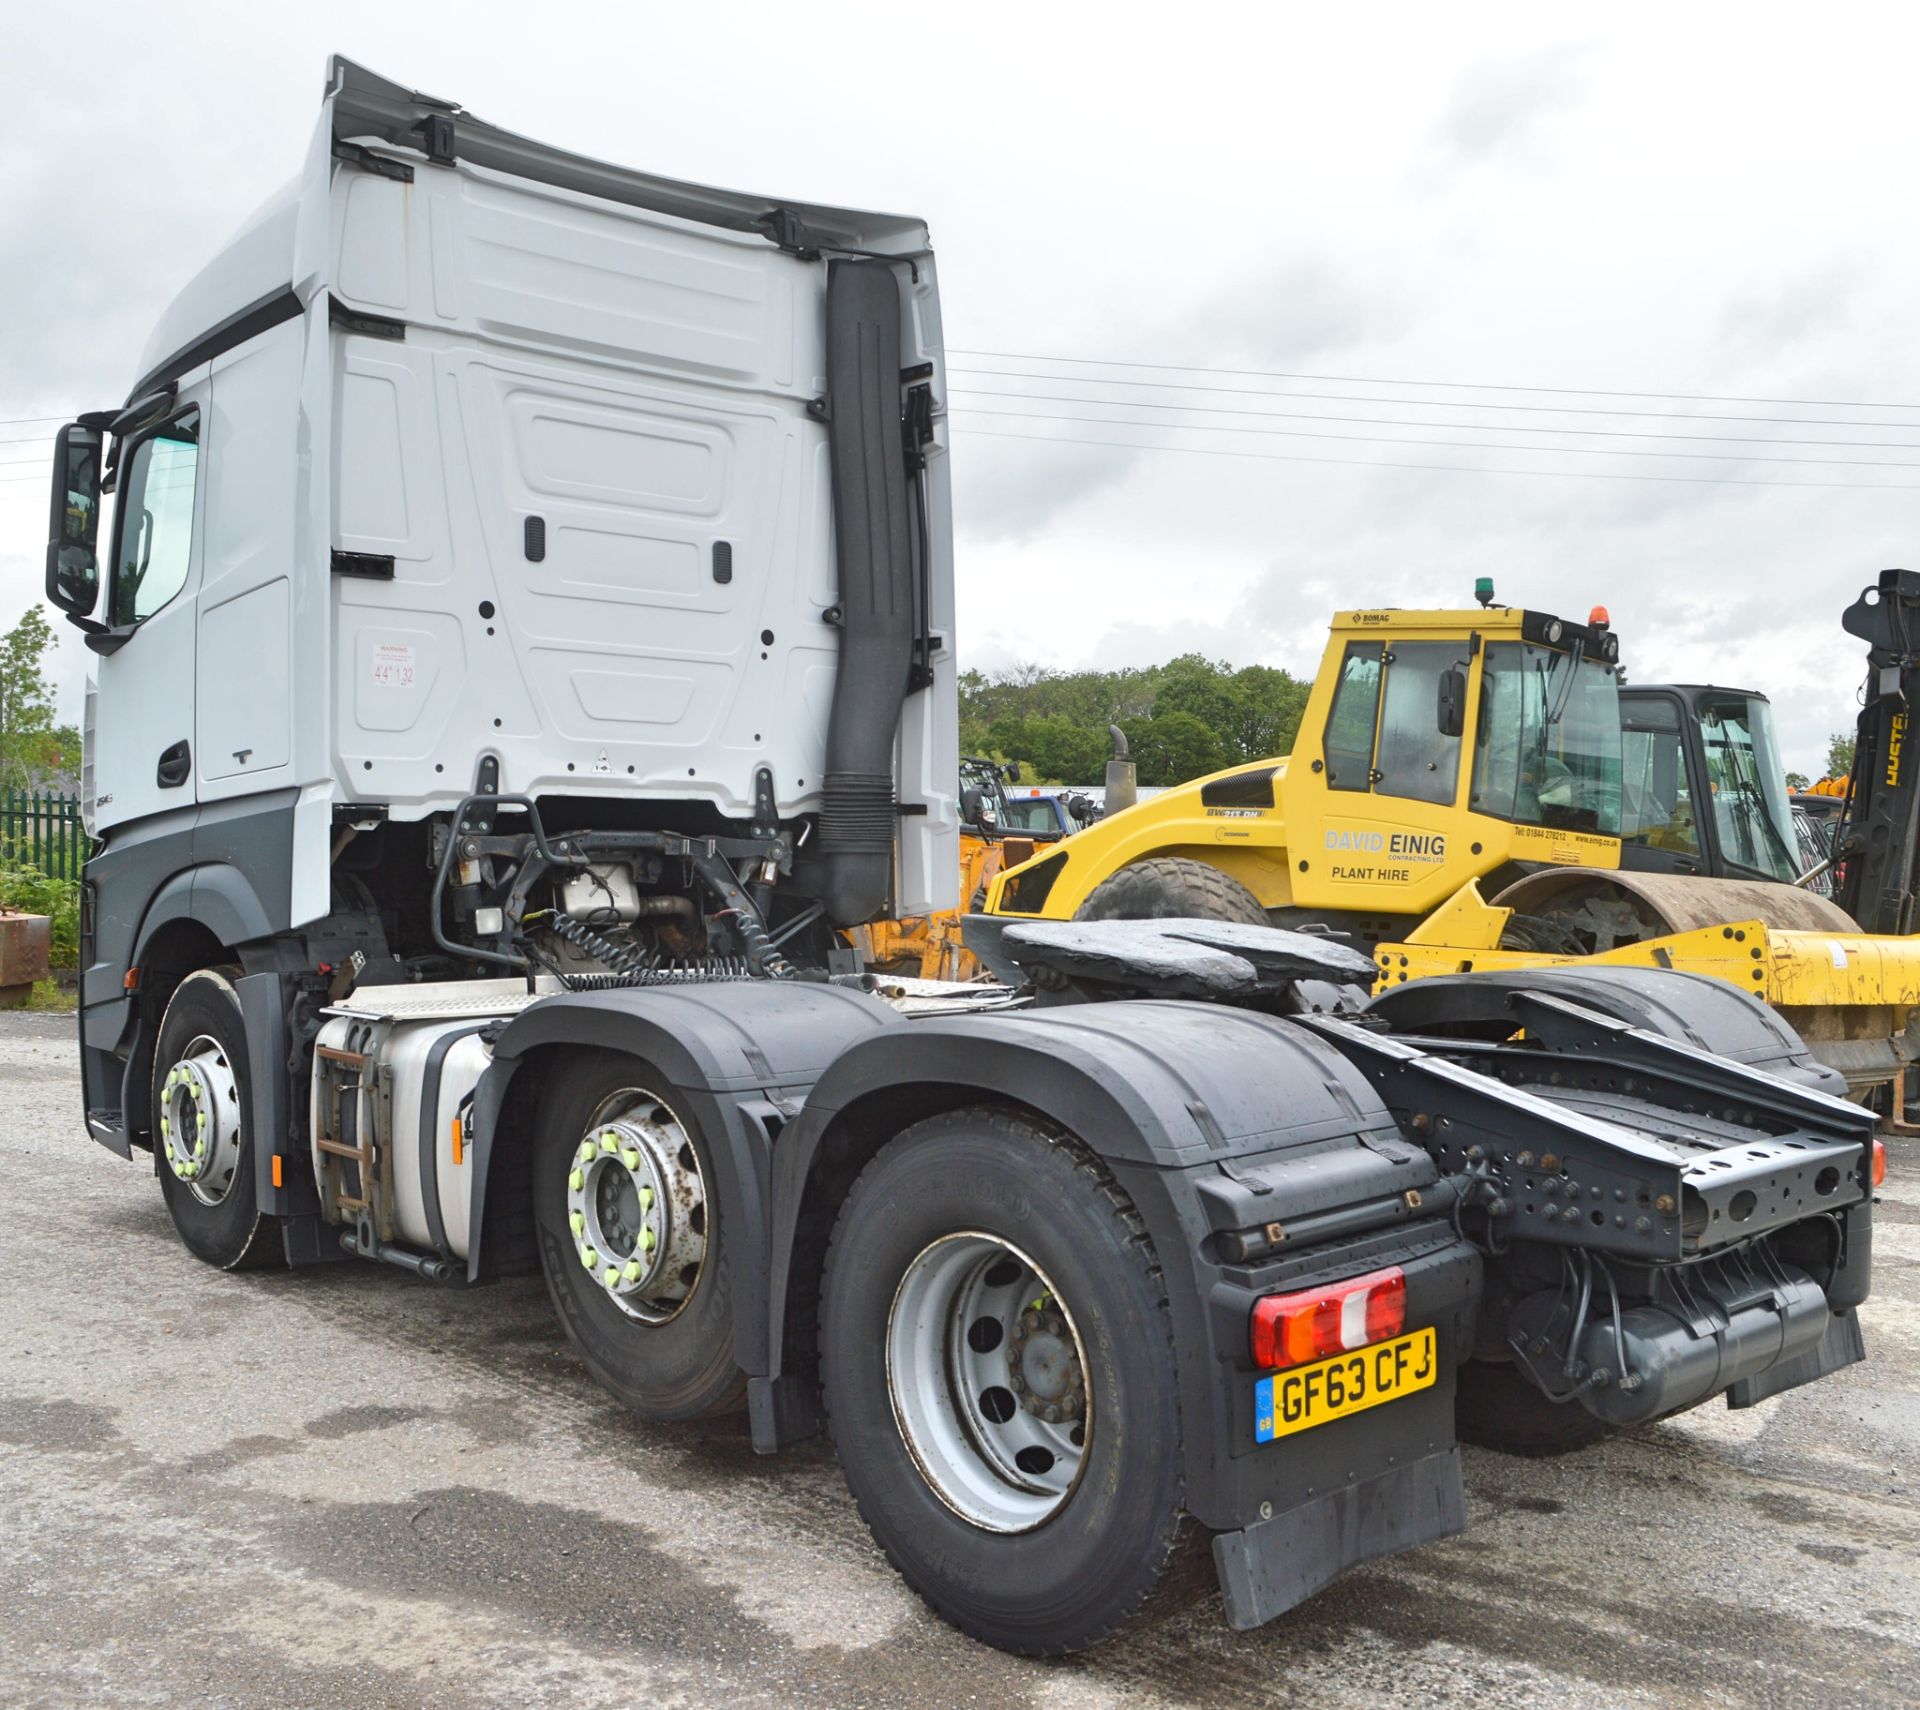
[175, 763]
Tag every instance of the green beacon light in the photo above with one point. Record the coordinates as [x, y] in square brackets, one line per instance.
[1483, 589]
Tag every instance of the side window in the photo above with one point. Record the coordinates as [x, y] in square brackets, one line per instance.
[1414, 759]
[154, 531]
[1657, 806]
[1356, 706]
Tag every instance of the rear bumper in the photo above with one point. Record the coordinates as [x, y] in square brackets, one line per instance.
[1274, 1565]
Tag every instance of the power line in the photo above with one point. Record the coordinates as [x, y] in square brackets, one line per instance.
[1452, 444]
[1453, 427]
[1419, 403]
[23, 421]
[1443, 385]
[1448, 468]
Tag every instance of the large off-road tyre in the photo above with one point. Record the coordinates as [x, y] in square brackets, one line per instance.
[1495, 1407]
[1172, 888]
[984, 1270]
[661, 1340]
[202, 1124]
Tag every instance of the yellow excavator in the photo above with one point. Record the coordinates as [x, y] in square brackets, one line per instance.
[1449, 757]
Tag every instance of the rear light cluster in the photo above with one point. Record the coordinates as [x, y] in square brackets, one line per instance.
[1293, 1329]
[1879, 1163]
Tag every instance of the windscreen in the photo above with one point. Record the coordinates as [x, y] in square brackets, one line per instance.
[1547, 747]
[1031, 813]
[1749, 785]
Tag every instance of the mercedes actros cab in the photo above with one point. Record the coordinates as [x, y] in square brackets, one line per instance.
[521, 599]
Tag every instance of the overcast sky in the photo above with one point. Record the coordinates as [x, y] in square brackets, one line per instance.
[1704, 200]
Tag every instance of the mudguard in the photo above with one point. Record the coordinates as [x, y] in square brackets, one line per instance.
[742, 1055]
[1695, 1009]
[1212, 1120]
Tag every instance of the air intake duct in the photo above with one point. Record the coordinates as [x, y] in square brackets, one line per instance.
[873, 546]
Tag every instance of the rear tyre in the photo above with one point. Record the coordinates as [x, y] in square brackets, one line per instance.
[1495, 1407]
[201, 1126]
[1171, 888]
[997, 1360]
[631, 1241]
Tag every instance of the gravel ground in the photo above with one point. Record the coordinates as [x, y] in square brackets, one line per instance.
[347, 1487]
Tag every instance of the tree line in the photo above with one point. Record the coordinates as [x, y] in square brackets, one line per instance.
[1183, 719]
[34, 750]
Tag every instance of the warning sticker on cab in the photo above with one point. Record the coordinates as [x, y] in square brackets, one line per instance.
[393, 664]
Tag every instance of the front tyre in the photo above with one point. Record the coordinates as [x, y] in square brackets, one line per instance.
[201, 1089]
[1169, 887]
[630, 1240]
[997, 1360]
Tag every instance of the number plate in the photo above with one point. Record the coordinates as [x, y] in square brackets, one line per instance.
[1348, 1383]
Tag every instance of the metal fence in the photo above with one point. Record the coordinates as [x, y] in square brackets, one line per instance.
[41, 829]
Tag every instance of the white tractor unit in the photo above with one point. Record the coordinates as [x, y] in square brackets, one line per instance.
[523, 633]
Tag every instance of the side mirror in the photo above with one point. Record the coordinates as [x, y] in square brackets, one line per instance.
[1453, 702]
[1013, 771]
[970, 804]
[73, 559]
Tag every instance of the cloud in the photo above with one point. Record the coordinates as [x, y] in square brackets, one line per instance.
[1499, 109]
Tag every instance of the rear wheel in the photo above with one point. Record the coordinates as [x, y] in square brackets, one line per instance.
[201, 1088]
[1495, 1407]
[631, 1241]
[1172, 888]
[997, 1359]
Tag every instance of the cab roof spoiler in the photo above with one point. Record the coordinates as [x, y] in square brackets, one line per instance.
[367, 107]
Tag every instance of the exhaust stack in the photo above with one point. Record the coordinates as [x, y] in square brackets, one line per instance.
[1122, 790]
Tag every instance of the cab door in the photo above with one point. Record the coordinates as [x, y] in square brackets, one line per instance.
[143, 757]
[1661, 794]
[1376, 828]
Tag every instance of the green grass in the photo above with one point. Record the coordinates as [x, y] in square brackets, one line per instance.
[47, 997]
[29, 889]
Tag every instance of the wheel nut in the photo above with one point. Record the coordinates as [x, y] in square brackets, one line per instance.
[1052, 1416]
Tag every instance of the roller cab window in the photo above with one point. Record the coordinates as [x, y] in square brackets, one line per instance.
[1351, 721]
[1747, 781]
[153, 531]
[1657, 806]
[1416, 758]
[1547, 742]
[1387, 731]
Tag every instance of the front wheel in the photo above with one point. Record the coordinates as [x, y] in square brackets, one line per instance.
[201, 1088]
[997, 1359]
[630, 1240]
[1169, 887]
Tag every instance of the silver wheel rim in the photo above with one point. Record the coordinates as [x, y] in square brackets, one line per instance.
[988, 1379]
[200, 1120]
[637, 1206]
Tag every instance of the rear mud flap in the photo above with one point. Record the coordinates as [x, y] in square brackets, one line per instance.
[1274, 1565]
[1841, 1346]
